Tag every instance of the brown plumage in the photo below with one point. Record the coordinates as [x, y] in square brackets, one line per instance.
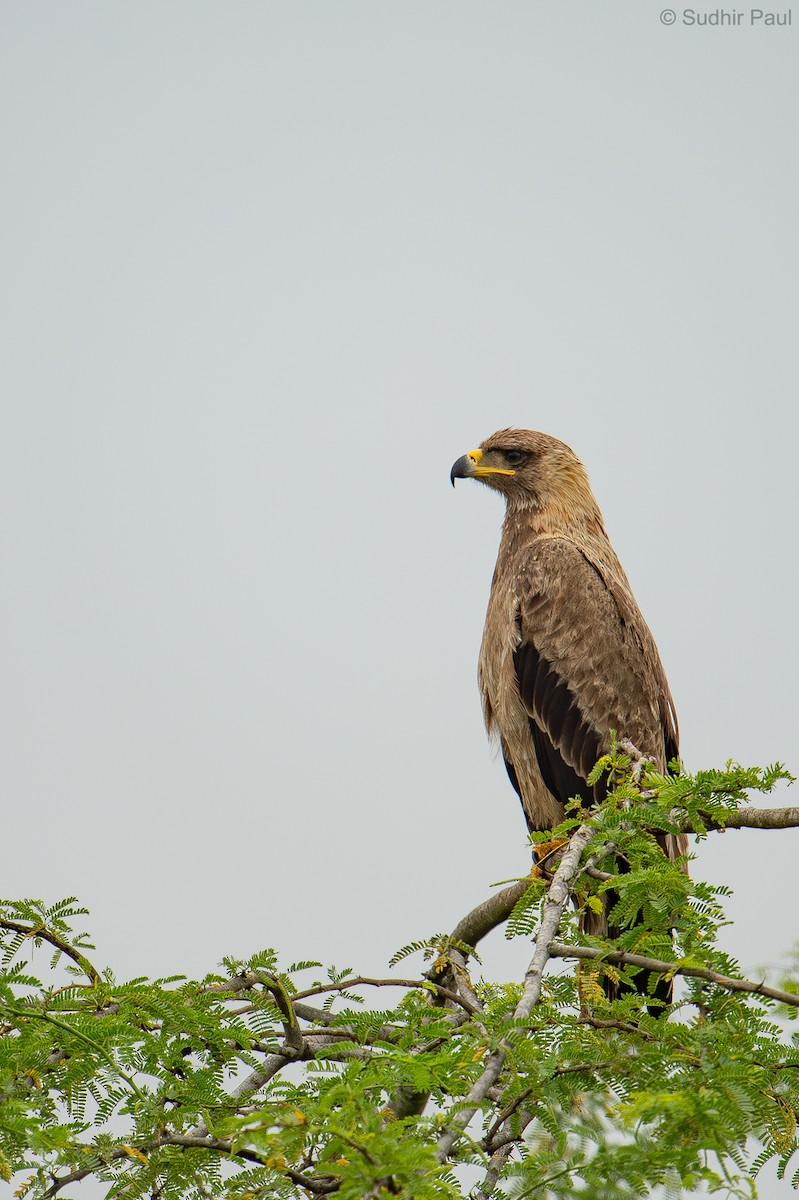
[566, 655]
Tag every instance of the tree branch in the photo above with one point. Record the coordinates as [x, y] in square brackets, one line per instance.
[32, 1014]
[492, 912]
[291, 1026]
[556, 900]
[498, 1160]
[660, 967]
[426, 985]
[321, 1185]
[49, 935]
[755, 818]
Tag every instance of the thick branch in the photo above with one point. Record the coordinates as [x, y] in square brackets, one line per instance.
[558, 895]
[757, 818]
[498, 1160]
[559, 892]
[492, 912]
[660, 967]
[291, 1027]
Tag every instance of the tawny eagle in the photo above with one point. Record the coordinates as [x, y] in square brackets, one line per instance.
[566, 656]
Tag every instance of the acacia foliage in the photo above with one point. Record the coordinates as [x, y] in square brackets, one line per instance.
[264, 1080]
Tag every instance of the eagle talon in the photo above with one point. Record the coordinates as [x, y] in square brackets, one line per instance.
[543, 851]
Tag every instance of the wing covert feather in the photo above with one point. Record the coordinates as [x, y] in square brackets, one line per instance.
[586, 663]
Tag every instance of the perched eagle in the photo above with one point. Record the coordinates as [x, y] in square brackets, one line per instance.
[566, 655]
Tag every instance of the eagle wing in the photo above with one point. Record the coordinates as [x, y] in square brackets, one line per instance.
[586, 663]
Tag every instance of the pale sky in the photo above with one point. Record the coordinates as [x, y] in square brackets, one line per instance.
[268, 269]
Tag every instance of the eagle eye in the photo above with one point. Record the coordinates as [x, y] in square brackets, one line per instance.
[515, 457]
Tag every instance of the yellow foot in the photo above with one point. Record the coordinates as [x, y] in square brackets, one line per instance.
[544, 851]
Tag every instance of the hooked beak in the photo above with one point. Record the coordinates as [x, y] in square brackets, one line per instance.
[464, 468]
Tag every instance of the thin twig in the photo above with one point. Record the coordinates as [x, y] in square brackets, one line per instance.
[322, 1185]
[425, 985]
[31, 1014]
[624, 1026]
[49, 935]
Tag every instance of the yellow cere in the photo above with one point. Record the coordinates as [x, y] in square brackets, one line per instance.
[480, 472]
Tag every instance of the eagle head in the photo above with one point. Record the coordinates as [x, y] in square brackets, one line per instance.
[531, 470]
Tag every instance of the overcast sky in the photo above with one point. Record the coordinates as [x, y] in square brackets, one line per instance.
[268, 269]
